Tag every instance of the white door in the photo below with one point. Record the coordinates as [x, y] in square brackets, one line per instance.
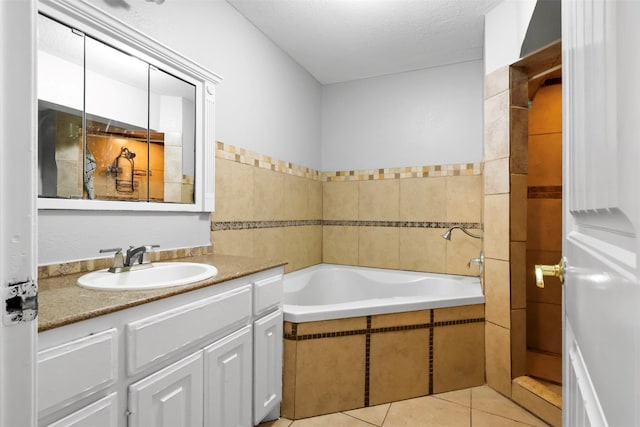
[601, 103]
[17, 207]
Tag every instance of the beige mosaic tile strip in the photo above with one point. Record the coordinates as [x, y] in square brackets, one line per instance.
[83, 266]
[240, 155]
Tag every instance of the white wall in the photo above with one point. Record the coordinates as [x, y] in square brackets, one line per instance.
[426, 117]
[267, 103]
[505, 28]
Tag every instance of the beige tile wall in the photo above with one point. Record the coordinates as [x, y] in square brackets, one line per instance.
[252, 189]
[446, 200]
[505, 196]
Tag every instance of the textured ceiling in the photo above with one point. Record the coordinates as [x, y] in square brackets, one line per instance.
[341, 40]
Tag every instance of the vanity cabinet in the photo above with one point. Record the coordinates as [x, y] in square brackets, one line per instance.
[210, 357]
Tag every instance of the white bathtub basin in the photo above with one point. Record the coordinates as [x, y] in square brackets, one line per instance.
[161, 275]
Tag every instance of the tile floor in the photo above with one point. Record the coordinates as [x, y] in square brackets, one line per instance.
[473, 407]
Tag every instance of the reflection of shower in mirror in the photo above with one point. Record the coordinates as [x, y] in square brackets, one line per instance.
[122, 169]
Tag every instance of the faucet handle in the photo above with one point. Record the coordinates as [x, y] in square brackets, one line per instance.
[118, 260]
[102, 251]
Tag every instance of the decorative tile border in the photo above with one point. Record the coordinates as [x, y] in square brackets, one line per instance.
[83, 266]
[247, 157]
[544, 192]
[250, 225]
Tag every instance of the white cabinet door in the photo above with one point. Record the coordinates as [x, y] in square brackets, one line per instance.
[171, 397]
[103, 413]
[227, 381]
[267, 365]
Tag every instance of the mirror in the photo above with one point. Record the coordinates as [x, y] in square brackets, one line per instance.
[115, 126]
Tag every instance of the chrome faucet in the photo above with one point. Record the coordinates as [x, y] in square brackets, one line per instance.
[447, 234]
[136, 258]
[477, 261]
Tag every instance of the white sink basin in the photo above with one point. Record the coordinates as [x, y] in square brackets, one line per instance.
[161, 275]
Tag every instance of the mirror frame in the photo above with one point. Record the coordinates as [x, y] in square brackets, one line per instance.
[85, 17]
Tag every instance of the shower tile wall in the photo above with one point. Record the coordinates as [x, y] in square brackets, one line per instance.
[504, 218]
[391, 218]
[544, 225]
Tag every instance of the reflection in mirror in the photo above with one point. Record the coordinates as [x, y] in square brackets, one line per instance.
[60, 106]
[172, 114]
[111, 126]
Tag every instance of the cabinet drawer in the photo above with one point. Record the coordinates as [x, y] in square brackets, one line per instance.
[157, 337]
[103, 413]
[76, 369]
[268, 294]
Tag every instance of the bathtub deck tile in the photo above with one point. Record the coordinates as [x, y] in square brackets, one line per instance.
[475, 311]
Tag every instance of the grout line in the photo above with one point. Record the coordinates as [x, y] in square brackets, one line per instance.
[367, 360]
[359, 419]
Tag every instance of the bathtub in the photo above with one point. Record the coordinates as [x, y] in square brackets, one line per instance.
[356, 337]
[328, 291]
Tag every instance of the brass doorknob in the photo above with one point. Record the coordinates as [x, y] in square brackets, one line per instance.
[549, 270]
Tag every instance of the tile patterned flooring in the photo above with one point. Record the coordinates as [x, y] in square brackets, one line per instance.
[472, 407]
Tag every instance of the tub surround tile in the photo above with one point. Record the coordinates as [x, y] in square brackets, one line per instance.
[340, 245]
[423, 249]
[379, 200]
[330, 375]
[399, 366]
[423, 198]
[296, 201]
[340, 200]
[458, 360]
[464, 198]
[460, 249]
[295, 241]
[269, 195]
[314, 199]
[379, 247]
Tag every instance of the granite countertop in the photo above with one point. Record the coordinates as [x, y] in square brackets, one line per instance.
[61, 301]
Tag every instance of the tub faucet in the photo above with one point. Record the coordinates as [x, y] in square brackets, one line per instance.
[447, 234]
[477, 261]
